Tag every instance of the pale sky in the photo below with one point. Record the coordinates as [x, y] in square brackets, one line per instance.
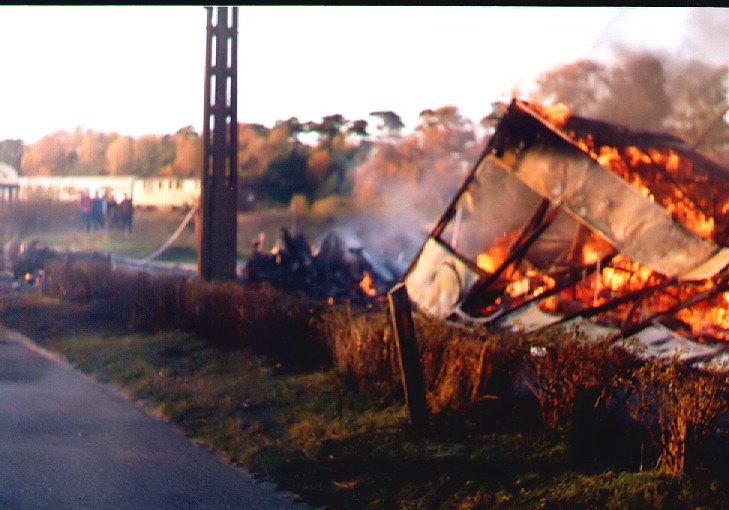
[138, 70]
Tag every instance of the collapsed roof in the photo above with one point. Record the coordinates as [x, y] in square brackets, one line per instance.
[582, 218]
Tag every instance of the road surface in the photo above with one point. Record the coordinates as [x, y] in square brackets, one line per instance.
[67, 442]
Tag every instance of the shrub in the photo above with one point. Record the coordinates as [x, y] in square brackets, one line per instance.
[81, 280]
[362, 347]
[564, 366]
[677, 406]
[227, 315]
[462, 365]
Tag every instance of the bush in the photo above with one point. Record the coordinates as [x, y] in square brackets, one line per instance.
[362, 347]
[677, 406]
[463, 365]
[564, 366]
[227, 315]
[460, 365]
[81, 280]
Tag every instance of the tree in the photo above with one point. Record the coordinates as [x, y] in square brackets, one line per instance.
[444, 130]
[287, 176]
[638, 98]
[119, 155]
[188, 153]
[699, 95]
[53, 154]
[390, 123]
[90, 150]
[426, 166]
[336, 135]
[580, 85]
[152, 153]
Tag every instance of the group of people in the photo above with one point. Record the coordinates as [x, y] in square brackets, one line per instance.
[100, 212]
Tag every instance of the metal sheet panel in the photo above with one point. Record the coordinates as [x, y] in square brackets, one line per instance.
[641, 229]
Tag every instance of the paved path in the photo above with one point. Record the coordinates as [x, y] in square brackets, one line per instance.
[67, 442]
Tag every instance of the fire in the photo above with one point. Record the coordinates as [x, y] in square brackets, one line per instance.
[636, 165]
[491, 260]
[590, 255]
[654, 174]
[367, 284]
[556, 114]
[708, 318]
[614, 279]
[620, 291]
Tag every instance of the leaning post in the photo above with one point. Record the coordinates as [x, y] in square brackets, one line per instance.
[409, 356]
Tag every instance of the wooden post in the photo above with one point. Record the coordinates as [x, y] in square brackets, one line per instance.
[409, 356]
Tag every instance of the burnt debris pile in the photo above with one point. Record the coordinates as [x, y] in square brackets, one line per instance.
[334, 271]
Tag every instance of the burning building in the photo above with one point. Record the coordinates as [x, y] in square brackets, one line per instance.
[565, 218]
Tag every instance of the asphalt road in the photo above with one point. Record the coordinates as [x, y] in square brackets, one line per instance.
[67, 442]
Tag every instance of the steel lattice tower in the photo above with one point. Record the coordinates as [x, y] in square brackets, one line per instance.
[217, 252]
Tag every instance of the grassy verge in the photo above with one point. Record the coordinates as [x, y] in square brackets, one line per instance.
[339, 447]
[58, 224]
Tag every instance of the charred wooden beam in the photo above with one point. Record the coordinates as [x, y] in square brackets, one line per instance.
[407, 346]
[592, 311]
[720, 286]
[576, 276]
[642, 295]
[471, 302]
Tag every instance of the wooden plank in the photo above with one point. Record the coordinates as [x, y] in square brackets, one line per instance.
[409, 355]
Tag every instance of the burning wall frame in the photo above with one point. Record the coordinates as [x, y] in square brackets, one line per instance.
[581, 218]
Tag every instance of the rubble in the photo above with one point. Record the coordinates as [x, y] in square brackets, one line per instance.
[334, 271]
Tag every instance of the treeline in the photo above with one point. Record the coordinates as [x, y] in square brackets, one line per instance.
[93, 153]
[312, 159]
[338, 156]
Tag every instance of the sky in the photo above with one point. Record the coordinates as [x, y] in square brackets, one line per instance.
[137, 70]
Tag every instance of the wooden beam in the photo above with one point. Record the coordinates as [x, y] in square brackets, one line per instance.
[409, 355]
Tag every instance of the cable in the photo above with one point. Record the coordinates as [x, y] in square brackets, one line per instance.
[172, 238]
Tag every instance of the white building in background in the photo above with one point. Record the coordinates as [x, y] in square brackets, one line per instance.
[8, 183]
[163, 192]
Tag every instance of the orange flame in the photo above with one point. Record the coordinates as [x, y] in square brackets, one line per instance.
[367, 284]
[490, 260]
[556, 114]
[663, 177]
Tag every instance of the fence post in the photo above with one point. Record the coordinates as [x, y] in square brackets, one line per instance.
[409, 356]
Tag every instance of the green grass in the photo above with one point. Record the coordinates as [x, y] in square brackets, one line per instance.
[336, 447]
[151, 230]
[58, 225]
